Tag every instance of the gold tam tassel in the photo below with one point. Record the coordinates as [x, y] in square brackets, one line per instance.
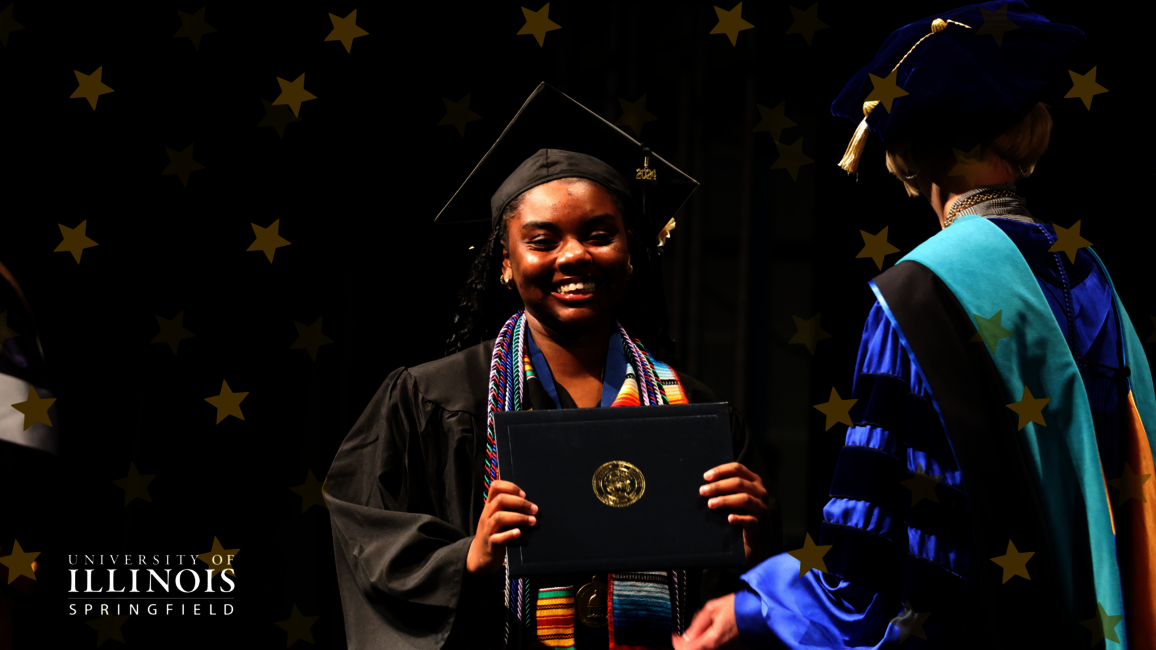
[664, 234]
[850, 161]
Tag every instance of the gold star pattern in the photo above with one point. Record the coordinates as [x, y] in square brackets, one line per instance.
[1085, 87]
[773, 120]
[297, 625]
[910, 623]
[219, 558]
[922, 485]
[807, 22]
[1014, 563]
[969, 164]
[995, 24]
[5, 331]
[885, 90]
[90, 88]
[75, 241]
[836, 409]
[791, 158]
[35, 409]
[1069, 241]
[277, 117]
[459, 114]
[1130, 485]
[810, 556]
[227, 403]
[172, 331]
[267, 241]
[345, 30]
[1152, 337]
[634, 114]
[1030, 409]
[19, 563]
[989, 331]
[310, 338]
[538, 23]
[1102, 626]
[108, 627]
[312, 491]
[7, 24]
[809, 333]
[182, 164]
[876, 246]
[135, 485]
[731, 23]
[293, 93]
[193, 27]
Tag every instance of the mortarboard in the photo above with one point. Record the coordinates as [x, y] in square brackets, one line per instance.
[552, 136]
[981, 66]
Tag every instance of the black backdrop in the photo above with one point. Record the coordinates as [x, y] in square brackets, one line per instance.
[355, 185]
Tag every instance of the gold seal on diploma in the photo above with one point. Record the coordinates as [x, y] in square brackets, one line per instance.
[618, 484]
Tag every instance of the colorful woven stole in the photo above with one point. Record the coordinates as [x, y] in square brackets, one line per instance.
[643, 608]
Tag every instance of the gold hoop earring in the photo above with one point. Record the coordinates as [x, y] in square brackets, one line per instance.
[505, 282]
[629, 269]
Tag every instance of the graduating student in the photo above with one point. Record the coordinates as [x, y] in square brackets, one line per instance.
[994, 489]
[420, 516]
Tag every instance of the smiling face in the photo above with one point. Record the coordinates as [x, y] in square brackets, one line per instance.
[567, 253]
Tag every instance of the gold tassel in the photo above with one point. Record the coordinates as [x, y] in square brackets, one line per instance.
[850, 161]
[664, 234]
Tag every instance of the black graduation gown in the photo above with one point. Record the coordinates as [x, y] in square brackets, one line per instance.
[405, 502]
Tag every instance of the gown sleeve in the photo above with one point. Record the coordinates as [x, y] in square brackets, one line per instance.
[883, 548]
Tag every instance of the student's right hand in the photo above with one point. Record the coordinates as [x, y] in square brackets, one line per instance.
[506, 507]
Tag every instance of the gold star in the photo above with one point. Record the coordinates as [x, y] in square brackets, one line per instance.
[635, 115]
[995, 24]
[277, 117]
[182, 164]
[5, 331]
[808, 332]
[1069, 241]
[1130, 485]
[459, 114]
[19, 563]
[922, 485]
[297, 625]
[538, 23]
[108, 627]
[293, 93]
[969, 164]
[910, 623]
[836, 409]
[312, 491]
[310, 338]
[75, 241]
[90, 87]
[1085, 87]
[876, 247]
[7, 25]
[193, 27]
[807, 22]
[172, 331]
[810, 556]
[773, 120]
[1103, 627]
[35, 409]
[1152, 337]
[267, 241]
[791, 158]
[135, 485]
[227, 403]
[730, 22]
[989, 331]
[219, 558]
[1014, 563]
[1030, 409]
[345, 30]
[885, 89]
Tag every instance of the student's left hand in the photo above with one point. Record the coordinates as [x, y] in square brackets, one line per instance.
[713, 628]
[734, 486]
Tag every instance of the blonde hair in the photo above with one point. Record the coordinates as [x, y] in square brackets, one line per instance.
[1019, 148]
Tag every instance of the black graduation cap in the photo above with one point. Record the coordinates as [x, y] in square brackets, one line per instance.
[552, 136]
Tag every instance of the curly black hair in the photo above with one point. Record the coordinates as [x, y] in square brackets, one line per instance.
[484, 305]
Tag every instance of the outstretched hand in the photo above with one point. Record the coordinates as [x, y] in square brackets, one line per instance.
[734, 486]
[713, 628]
[506, 508]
